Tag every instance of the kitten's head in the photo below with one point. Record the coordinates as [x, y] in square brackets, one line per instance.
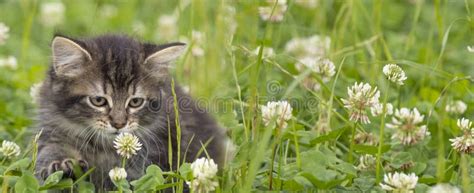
[110, 84]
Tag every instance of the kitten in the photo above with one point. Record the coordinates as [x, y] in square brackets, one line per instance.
[99, 87]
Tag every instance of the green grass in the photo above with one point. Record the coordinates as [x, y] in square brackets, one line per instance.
[428, 39]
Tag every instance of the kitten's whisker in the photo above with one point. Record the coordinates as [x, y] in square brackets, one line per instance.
[77, 138]
[145, 151]
[159, 147]
[101, 141]
[89, 139]
[150, 135]
[80, 135]
[88, 136]
[97, 134]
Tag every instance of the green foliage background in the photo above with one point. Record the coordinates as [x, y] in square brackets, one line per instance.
[428, 39]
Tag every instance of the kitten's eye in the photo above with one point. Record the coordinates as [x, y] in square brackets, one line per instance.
[136, 102]
[98, 101]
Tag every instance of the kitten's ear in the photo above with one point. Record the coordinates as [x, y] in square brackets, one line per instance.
[69, 57]
[164, 55]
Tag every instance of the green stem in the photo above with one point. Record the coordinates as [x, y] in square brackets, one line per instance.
[351, 148]
[466, 181]
[255, 162]
[177, 123]
[5, 184]
[381, 137]
[239, 94]
[275, 144]
[35, 155]
[440, 162]
[124, 161]
[272, 164]
[297, 148]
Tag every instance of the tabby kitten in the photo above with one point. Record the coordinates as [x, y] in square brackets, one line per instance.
[100, 87]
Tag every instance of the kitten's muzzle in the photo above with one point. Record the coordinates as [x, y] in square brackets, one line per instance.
[119, 124]
[118, 118]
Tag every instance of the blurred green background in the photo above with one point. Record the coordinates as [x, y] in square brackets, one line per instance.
[413, 31]
[428, 39]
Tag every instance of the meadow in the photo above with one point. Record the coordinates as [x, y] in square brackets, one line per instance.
[315, 95]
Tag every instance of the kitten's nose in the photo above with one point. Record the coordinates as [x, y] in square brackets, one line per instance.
[118, 124]
[118, 118]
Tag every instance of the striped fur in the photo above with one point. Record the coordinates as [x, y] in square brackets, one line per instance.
[72, 129]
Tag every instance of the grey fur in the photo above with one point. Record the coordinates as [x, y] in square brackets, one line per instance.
[117, 68]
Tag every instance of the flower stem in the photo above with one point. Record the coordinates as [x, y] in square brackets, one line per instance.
[5, 184]
[124, 161]
[440, 161]
[351, 147]
[466, 181]
[272, 164]
[381, 136]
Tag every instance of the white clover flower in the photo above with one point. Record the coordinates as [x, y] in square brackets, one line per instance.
[127, 145]
[464, 124]
[315, 46]
[407, 125]
[311, 4]
[35, 91]
[9, 62]
[322, 125]
[464, 143]
[326, 69]
[52, 13]
[10, 149]
[456, 107]
[444, 188]
[366, 162]
[399, 182]
[362, 97]
[4, 29]
[117, 174]
[323, 67]
[266, 53]
[318, 45]
[470, 49]
[378, 109]
[394, 73]
[366, 139]
[272, 12]
[279, 111]
[204, 173]
[167, 27]
[311, 84]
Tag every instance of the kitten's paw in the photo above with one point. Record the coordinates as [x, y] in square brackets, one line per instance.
[66, 165]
